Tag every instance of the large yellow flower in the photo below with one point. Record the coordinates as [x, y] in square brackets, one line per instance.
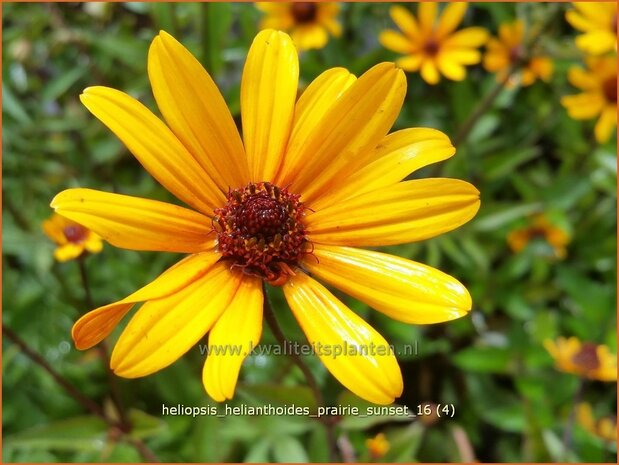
[309, 23]
[598, 21]
[599, 94]
[584, 359]
[508, 49]
[72, 238]
[432, 45]
[311, 181]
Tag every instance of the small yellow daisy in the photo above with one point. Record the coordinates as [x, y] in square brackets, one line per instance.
[540, 227]
[309, 23]
[605, 428]
[377, 446]
[598, 22]
[508, 49]
[584, 359]
[599, 94]
[72, 238]
[432, 45]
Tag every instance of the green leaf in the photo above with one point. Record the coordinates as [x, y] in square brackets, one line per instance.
[483, 359]
[300, 396]
[62, 83]
[500, 215]
[144, 425]
[13, 106]
[74, 434]
[288, 449]
[259, 451]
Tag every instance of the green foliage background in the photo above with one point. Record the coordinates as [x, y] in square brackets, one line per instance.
[525, 156]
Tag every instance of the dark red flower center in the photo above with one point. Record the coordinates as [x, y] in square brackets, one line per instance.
[303, 12]
[587, 357]
[609, 87]
[260, 230]
[75, 233]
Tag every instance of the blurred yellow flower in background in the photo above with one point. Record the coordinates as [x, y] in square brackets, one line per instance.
[309, 23]
[584, 359]
[540, 228]
[302, 190]
[432, 45]
[72, 238]
[599, 94]
[377, 446]
[598, 21]
[605, 428]
[505, 52]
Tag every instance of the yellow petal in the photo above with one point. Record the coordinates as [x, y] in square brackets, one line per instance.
[401, 289]
[470, 37]
[313, 105]
[320, 95]
[155, 146]
[542, 67]
[68, 251]
[409, 211]
[605, 125]
[331, 327]
[582, 79]
[410, 63]
[54, 229]
[451, 69]
[512, 34]
[196, 112]
[396, 156]
[579, 22]
[93, 243]
[599, 12]
[273, 7]
[97, 324]
[164, 329]
[321, 154]
[395, 41]
[463, 56]
[235, 334]
[450, 18]
[527, 77]
[308, 37]
[583, 106]
[495, 61]
[268, 94]
[404, 20]
[426, 12]
[597, 42]
[136, 223]
[429, 72]
[334, 27]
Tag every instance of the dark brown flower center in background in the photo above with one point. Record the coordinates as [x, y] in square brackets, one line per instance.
[587, 357]
[609, 87]
[75, 233]
[516, 54]
[303, 12]
[431, 47]
[260, 230]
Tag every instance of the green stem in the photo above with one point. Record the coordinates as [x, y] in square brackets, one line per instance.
[567, 432]
[84, 401]
[103, 349]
